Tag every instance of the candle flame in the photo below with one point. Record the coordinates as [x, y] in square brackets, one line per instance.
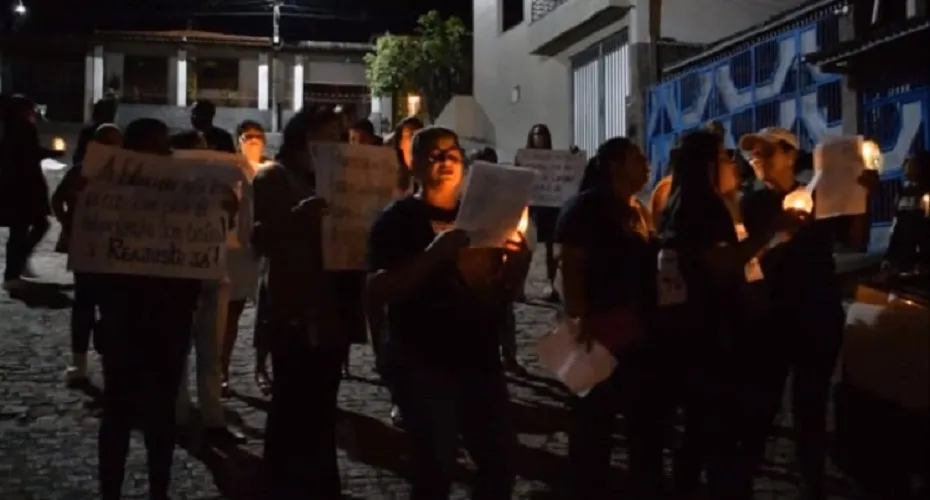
[872, 156]
[800, 200]
[925, 204]
[58, 144]
[524, 222]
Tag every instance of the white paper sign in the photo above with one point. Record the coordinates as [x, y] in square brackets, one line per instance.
[753, 269]
[357, 181]
[559, 174]
[150, 215]
[670, 283]
[838, 192]
[493, 200]
[578, 367]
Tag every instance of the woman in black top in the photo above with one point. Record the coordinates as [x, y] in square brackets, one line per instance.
[607, 261]
[539, 137]
[308, 314]
[701, 280]
[143, 336]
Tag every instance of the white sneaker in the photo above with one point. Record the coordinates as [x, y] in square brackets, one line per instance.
[15, 285]
[77, 370]
[29, 272]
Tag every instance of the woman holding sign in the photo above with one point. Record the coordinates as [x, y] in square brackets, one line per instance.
[143, 335]
[539, 137]
[306, 336]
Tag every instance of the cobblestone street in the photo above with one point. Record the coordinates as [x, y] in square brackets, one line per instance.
[48, 432]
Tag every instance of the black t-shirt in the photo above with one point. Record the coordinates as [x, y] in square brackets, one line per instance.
[800, 273]
[619, 262]
[691, 223]
[219, 140]
[450, 321]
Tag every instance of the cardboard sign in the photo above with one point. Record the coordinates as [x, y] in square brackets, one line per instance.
[151, 215]
[357, 182]
[559, 174]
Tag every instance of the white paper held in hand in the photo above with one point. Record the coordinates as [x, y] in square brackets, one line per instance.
[493, 200]
[578, 367]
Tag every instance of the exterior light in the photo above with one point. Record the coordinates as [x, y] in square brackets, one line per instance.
[19, 9]
[414, 101]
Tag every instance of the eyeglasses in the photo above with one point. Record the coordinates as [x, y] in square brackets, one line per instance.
[251, 137]
[454, 155]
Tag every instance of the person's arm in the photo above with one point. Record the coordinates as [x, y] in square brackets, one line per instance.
[64, 196]
[273, 217]
[572, 234]
[694, 228]
[394, 271]
[80, 149]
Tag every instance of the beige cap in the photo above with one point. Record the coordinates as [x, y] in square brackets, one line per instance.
[771, 135]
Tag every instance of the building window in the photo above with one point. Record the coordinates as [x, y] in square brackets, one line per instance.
[216, 79]
[511, 13]
[145, 79]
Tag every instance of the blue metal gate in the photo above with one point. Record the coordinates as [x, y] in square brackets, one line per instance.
[759, 83]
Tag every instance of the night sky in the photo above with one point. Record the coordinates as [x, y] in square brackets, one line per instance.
[330, 20]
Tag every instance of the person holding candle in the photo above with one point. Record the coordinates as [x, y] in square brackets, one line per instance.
[702, 285]
[909, 247]
[444, 303]
[806, 302]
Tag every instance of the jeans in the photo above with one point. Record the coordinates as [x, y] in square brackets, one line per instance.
[20, 243]
[209, 328]
[438, 407]
[300, 432]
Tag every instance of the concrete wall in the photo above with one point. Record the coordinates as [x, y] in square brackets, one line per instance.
[503, 60]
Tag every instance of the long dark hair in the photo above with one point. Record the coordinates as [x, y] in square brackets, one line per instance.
[694, 177]
[404, 171]
[597, 172]
[539, 129]
[299, 127]
[141, 135]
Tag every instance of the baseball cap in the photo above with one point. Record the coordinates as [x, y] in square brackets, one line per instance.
[770, 135]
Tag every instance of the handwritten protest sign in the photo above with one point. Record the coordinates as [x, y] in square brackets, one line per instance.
[236, 171]
[559, 174]
[357, 182]
[493, 201]
[150, 215]
[839, 163]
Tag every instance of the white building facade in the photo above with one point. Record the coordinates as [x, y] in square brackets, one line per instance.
[582, 67]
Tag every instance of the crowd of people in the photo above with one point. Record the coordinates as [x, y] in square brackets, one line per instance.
[753, 298]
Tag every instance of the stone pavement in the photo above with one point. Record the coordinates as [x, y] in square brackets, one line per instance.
[48, 432]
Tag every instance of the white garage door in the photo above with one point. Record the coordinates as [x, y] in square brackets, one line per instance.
[600, 89]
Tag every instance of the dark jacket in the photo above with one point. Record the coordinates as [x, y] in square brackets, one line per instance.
[23, 188]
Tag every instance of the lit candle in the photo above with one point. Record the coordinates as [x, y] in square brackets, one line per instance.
[872, 156]
[58, 144]
[525, 222]
[925, 204]
[799, 200]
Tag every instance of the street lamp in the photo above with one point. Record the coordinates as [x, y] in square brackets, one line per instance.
[19, 9]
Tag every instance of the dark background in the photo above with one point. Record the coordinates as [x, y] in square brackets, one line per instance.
[321, 20]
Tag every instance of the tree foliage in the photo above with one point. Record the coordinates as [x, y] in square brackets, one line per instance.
[433, 62]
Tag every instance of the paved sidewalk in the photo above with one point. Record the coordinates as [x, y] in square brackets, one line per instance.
[48, 432]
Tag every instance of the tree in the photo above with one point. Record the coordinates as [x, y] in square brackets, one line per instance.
[433, 62]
